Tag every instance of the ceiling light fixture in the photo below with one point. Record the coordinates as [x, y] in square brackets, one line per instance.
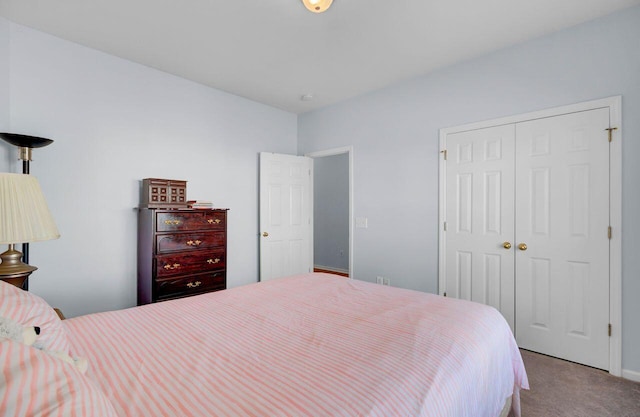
[317, 6]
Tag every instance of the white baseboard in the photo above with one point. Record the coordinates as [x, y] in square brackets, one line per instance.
[631, 375]
[333, 269]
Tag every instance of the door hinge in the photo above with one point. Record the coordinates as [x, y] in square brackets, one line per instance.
[445, 226]
[444, 153]
[610, 130]
[609, 233]
[609, 329]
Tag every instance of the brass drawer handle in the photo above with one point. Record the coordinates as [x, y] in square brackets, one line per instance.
[216, 221]
[170, 267]
[172, 222]
[506, 245]
[213, 261]
[194, 242]
[522, 246]
[194, 284]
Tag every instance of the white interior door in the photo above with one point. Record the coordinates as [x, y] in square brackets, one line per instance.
[286, 247]
[480, 220]
[562, 216]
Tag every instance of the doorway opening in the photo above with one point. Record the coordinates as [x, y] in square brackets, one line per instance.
[332, 188]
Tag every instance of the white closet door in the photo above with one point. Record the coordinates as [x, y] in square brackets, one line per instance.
[562, 216]
[479, 213]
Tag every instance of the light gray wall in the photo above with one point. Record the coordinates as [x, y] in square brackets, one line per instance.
[114, 123]
[331, 211]
[394, 132]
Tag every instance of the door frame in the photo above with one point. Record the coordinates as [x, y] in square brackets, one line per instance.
[330, 152]
[614, 104]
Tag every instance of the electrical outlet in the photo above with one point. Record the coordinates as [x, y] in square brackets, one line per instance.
[383, 281]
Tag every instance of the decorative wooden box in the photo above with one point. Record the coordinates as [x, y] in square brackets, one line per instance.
[161, 193]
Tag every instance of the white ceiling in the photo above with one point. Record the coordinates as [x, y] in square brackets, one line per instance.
[275, 51]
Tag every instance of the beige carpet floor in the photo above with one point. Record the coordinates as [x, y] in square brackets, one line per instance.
[560, 388]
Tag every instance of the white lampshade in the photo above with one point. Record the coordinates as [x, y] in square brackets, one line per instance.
[24, 214]
[317, 6]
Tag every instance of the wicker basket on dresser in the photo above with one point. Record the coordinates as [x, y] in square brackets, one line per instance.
[181, 252]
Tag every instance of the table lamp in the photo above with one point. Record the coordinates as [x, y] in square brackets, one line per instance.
[24, 217]
[25, 144]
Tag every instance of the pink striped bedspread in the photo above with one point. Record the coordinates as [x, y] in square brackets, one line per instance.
[309, 345]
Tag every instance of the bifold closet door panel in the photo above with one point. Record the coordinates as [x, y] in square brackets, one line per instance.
[562, 216]
[480, 217]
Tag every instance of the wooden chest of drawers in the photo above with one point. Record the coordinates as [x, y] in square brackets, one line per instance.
[180, 253]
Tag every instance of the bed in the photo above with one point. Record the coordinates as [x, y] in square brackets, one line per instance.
[307, 345]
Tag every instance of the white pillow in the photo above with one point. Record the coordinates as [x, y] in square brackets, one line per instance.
[30, 310]
[34, 383]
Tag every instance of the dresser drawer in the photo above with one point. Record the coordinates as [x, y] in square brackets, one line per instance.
[173, 242]
[189, 263]
[191, 220]
[190, 285]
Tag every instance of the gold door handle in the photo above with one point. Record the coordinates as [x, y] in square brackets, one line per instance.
[265, 234]
[506, 245]
[522, 246]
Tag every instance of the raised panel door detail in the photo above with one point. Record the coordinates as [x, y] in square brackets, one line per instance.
[540, 200]
[296, 200]
[579, 140]
[296, 254]
[464, 274]
[492, 200]
[465, 203]
[275, 249]
[540, 144]
[579, 198]
[465, 153]
[493, 149]
[492, 277]
[275, 205]
[541, 292]
[578, 309]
